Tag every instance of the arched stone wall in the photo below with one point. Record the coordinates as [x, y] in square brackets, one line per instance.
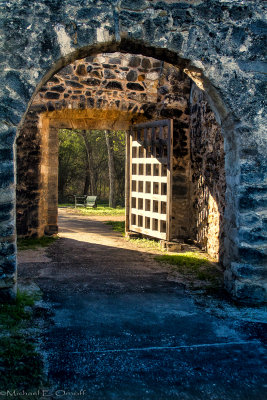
[220, 44]
[207, 175]
[108, 91]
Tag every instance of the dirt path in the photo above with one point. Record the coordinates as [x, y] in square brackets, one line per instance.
[122, 329]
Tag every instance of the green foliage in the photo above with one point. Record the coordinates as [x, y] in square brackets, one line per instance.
[20, 365]
[33, 243]
[193, 265]
[71, 158]
[77, 176]
[117, 226]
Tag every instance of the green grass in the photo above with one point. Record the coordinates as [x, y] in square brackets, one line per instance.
[33, 243]
[12, 314]
[101, 209]
[20, 365]
[188, 260]
[146, 243]
[117, 226]
[193, 266]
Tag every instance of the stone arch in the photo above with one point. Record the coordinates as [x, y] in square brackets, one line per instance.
[114, 93]
[69, 100]
[126, 45]
[191, 30]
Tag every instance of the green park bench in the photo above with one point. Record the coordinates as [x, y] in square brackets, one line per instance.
[85, 201]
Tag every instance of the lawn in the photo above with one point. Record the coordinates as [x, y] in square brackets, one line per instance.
[101, 209]
[194, 266]
[152, 244]
[117, 226]
[34, 243]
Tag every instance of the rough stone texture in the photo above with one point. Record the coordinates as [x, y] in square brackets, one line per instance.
[208, 176]
[28, 175]
[219, 44]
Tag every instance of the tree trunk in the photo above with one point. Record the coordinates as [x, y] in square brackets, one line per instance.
[61, 191]
[111, 168]
[87, 179]
[91, 171]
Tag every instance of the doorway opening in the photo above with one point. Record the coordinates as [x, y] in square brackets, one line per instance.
[91, 163]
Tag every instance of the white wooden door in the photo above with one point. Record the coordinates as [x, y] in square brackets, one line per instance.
[149, 170]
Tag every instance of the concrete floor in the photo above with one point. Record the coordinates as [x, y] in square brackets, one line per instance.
[122, 329]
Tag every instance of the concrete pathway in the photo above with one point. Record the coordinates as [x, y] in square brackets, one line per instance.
[122, 329]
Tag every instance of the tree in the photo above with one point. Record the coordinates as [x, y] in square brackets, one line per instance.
[84, 159]
[111, 169]
[119, 160]
[72, 157]
[90, 172]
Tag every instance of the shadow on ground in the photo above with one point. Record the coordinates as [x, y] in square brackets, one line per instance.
[121, 329]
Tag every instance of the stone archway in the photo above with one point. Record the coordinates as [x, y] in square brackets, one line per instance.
[109, 91]
[192, 32]
[113, 91]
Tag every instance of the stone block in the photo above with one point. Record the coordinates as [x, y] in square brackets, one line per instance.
[135, 61]
[114, 85]
[108, 74]
[91, 82]
[75, 84]
[240, 270]
[52, 95]
[9, 116]
[57, 88]
[174, 247]
[137, 5]
[15, 82]
[51, 230]
[7, 249]
[131, 76]
[9, 263]
[250, 291]
[8, 295]
[252, 254]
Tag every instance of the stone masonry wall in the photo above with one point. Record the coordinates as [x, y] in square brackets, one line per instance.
[28, 176]
[140, 86]
[125, 82]
[220, 44]
[208, 176]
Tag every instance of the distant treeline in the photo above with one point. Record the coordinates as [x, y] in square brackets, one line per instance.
[91, 163]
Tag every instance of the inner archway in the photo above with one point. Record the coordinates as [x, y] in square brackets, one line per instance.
[116, 91]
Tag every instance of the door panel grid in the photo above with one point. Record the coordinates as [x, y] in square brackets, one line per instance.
[149, 170]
